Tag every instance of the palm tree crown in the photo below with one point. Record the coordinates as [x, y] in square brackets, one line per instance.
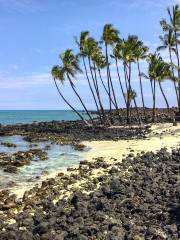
[57, 73]
[83, 38]
[99, 59]
[168, 41]
[158, 69]
[174, 17]
[126, 49]
[110, 34]
[90, 47]
[70, 63]
[141, 51]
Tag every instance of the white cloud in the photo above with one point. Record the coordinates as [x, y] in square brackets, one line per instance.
[7, 82]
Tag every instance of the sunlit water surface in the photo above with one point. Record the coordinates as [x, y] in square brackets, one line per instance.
[59, 157]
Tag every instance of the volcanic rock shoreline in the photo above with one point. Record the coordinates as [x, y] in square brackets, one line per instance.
[11, 162]
[135, 198]
[75, 131]
[138, 198]
[60, 132]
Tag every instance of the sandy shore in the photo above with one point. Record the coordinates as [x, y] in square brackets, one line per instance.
[162, 135]
[111, 184]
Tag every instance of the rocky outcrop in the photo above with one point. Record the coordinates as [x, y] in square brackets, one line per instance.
[9, 145]
[11, 162]
[135, 199]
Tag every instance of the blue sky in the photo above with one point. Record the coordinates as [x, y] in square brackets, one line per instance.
[34, 32]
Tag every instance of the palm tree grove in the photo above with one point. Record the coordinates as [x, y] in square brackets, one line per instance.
[95, 59]
[90, 120]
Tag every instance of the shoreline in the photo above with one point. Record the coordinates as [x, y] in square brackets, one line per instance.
[162, 136]
[107, 162]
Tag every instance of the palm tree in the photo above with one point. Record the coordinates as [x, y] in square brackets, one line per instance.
[158, 70]
[93, 58]
[140, 51]
[56, 73]
[100, 63]
[127, 54]
[151, 76]
[174, 25]
[91, 48]
[116, 55]
[69, 69]
[110, 36]
[168, 42]
[132, 97]
[82, 44]
[163, 72]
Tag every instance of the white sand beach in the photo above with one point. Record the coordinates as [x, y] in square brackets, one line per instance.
[162, 135]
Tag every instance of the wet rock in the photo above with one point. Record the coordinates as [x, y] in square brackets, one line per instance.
[47, 147]
[44, 172]
[7, 144]
[11, 169]
[79, 147]
[11, 163]
[84, 162]
[70, 169]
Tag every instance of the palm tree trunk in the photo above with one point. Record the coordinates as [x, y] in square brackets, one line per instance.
[98, 95]
[99, 71]
[95, 87]
[122, 90]
[125, 76]
[177, 54]
[136, 107]
[72, 85]
[141, 87]
[111, 84]
[134, 100]
[175, 87]
[129, 88]
[130, 115]
[107, 71]
[128, 76]
[164, 96]
[80, 116]
[154, 100]
[152, 91]
[91, 89]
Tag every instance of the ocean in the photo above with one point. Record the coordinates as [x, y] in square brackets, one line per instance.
[29, 116]
[59, 156]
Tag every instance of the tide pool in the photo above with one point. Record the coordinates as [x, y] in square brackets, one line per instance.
[59, 157]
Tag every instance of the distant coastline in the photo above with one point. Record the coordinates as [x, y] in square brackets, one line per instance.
[29, 116]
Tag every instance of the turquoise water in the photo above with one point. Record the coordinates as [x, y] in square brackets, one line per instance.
[59, 157]
[29, 116]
